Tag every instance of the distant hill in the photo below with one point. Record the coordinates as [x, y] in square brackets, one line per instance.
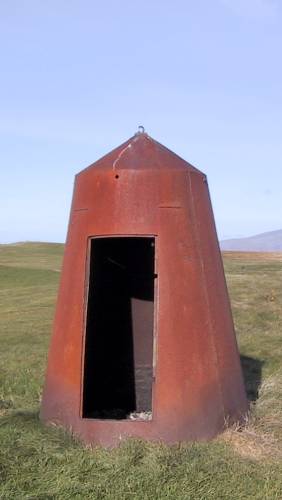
[265, 242]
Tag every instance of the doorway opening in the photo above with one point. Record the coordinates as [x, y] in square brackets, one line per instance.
[118, 356]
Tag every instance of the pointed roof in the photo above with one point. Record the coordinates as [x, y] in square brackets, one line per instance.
[141, 152]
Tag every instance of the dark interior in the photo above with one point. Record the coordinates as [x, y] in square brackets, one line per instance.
[118, 358]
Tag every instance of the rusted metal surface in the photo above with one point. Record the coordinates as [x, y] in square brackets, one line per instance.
[143, 189]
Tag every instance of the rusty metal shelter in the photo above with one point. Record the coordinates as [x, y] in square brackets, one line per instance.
[143, 342]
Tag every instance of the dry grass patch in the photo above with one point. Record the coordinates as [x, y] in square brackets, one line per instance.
[260, 437]
[254, 256]
[249, 442]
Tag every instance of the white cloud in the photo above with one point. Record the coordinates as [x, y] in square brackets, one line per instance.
[253, 8]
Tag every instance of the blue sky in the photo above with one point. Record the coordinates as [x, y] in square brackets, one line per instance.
[77, 78]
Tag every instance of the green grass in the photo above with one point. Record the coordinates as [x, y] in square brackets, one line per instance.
[38, 462]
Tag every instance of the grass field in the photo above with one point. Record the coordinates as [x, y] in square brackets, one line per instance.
[43, 463]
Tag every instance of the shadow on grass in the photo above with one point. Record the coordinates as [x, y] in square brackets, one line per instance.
[252, 371]
[21, 417]
[28, 421]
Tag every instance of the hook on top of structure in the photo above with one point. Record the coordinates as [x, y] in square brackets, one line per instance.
[141, 130]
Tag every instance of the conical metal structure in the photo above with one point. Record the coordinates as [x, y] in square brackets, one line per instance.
[143, 342]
